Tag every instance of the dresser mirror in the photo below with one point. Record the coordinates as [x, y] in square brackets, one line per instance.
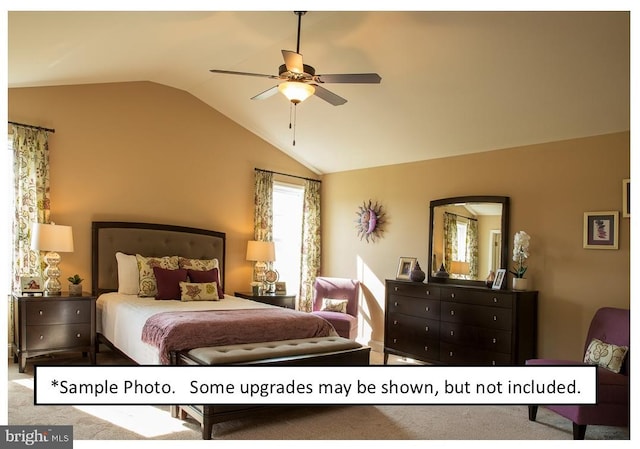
[468, 238]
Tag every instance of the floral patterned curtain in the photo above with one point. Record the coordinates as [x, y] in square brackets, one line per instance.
[450, 240]
[31, 199]
[263, 211]
[472, 248]
[310, 262]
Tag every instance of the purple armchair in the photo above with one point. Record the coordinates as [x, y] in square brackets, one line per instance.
[345, 323]
[609, 325]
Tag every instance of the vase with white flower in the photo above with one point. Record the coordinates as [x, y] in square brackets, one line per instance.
[520, 254]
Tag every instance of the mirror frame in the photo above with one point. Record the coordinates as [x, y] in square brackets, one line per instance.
[504, 250]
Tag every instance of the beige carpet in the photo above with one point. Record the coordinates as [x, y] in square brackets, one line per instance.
[312, 423]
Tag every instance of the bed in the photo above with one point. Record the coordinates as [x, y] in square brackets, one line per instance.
[148, 330]
[123, 317]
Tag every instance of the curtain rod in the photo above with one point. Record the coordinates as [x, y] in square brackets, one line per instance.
[458, 215]
[285, 174]
[49, 130]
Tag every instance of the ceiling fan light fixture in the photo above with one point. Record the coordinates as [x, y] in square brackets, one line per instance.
[296, 91]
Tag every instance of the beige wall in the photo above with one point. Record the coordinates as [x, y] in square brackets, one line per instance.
[550, 185]
[146, 152]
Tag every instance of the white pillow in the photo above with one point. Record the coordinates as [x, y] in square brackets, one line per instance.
[128, 275]
[334, 305]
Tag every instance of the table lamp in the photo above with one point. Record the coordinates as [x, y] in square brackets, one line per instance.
[460, 268]
[51, 238]
[260, 253]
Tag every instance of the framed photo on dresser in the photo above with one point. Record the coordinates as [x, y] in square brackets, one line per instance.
[499, 280]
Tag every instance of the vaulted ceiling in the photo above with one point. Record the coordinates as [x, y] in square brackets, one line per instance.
[452, 82]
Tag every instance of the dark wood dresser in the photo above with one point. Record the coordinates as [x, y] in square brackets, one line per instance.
[46, 324]
[459, 325]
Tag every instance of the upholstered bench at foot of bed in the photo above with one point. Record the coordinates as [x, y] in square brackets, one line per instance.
[319, 351]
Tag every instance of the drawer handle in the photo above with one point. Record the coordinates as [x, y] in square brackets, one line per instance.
[428, 292]
[41, 337]
[395, 340]
[78, 335]
[396, 288]
[450, 353]
[494, 340]
[426, 328]
[453, 295]
[451, 333]
[452, 312]
[493, 362]
[426, 309]
[495, 318]
[40, 312]
[426, 349]
[395, 303]
[78, 312]
[495, 299]
[395, 322]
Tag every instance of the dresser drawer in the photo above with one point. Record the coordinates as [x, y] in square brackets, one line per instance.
[411, 328]
[408, 305]
[58, 312]
[421, 349]
[58, 336]
[452, 354]
[416, 290]
[478, 297]
[477, 337]
[491, 317]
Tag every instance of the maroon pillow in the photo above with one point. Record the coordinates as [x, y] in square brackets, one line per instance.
[201, 277]
[169, 282]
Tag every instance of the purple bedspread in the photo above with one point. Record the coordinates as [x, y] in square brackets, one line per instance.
[180, 331]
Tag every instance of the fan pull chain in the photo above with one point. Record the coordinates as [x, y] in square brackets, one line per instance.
[295, 112]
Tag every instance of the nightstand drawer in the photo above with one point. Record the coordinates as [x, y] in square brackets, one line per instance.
[58, 336]
[58, 312]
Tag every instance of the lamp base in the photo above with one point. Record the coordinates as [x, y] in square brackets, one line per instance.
[52, 285]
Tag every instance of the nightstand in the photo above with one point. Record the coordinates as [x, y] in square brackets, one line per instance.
[282, 300]
[46, 324]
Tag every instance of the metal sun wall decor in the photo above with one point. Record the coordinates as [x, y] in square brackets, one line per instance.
[369, 222]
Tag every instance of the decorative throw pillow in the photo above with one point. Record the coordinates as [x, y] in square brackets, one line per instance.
[128, 276]
[147, 283]
[606, 355]
[213, 275]
[334, 305]
[198, 264]
[168, 282]
[192, 291]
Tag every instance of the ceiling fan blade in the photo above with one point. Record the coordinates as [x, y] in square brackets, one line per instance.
[357, 78]
[293, 61]
[329, 96]
[229, 72]
[266, 94]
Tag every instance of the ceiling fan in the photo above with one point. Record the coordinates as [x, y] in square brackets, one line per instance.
[300, 80]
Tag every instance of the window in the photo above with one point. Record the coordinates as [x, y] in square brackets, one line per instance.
[461, 253]
[288, 202]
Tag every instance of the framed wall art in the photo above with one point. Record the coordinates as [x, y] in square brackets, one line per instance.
[405, 266]
[600, 230]
[626, 198]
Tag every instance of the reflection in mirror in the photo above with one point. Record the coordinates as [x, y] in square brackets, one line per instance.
[466, 238]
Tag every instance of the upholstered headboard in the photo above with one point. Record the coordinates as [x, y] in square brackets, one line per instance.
[147, 239]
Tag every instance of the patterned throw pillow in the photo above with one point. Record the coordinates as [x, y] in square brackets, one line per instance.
[198, 264]
[605, 355]
[207, 276]
[334, 305]
[148, 283]
[191, 291]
